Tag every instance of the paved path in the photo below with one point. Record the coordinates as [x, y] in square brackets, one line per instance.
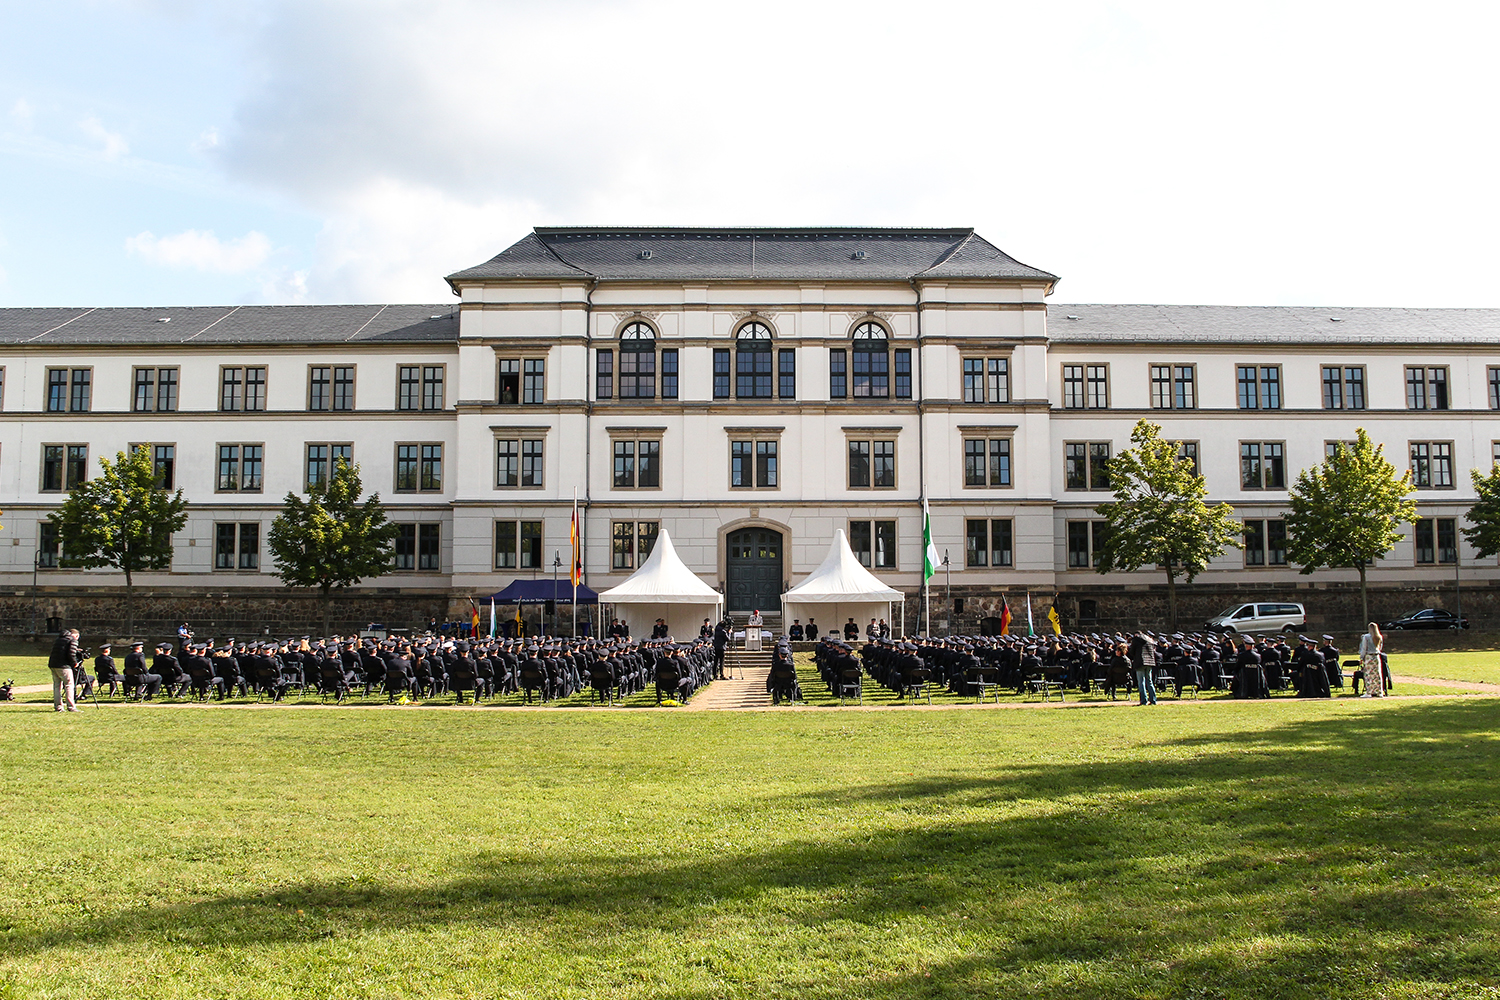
[744, 692]
[1440, 682]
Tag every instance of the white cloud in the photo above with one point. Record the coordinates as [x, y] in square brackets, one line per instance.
[207, 140]
[22, 111]
[113, 143]
[202, 251]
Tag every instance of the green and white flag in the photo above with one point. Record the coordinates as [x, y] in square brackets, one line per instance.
[930, 553]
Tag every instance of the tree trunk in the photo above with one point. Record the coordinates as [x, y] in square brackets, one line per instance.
[1364, 598]
[129, 605]
[327, 610]
[1171, 599]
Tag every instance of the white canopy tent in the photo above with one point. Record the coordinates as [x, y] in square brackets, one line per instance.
[841, 589]
[664, 588]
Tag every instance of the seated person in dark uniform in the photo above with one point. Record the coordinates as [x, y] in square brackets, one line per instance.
[851, 630]
[795, 632]
[659, 630]
[104, 668]
[137, 677]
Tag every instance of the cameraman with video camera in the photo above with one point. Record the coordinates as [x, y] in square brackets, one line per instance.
[64, 657]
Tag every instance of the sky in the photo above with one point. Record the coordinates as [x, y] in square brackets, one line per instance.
[171, 152]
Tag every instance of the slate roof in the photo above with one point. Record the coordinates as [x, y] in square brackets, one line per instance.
[655, 254]
[231, 325]
[1288, 325]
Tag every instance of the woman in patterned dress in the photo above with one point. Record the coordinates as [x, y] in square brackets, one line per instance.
[1369, 662]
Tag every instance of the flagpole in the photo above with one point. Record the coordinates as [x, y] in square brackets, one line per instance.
[573, 573]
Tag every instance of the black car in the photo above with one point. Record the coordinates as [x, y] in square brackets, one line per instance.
[1428, 618]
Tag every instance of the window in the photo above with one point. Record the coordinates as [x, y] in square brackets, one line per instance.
[631, 542]
[1265, 542]
[988, 542]
[986, 380]
[521, 380]
[242, 389]
[419, 387]
[669, 373]
[1259, 386]
[1086, 543]
[1330, 448]
[48, 545]
[901, 361]
[874, 543]
[1086, 387]
[872, 464]
[1432, 465]
[752, 464]
[2, 386]
[1262, 465]
[1173, 387]
[1426, 388]
[419, 548]
[838, 373]
[519, 463]
[1494, 378]
[69, 389]
[1086, 465]
[1435, 540]
[872, 362]
[752, 361]
[155, 390]
[240, 468]
[786, 373]
[1187, 451]
[64, 466]
[164, 464]
[987, 461]
[1495, 453]
[322, 460]
[1343, 387]
[518, 545]
[604, 374]
[237, 546]
[721, 373]
[637, 464]
[637, 362]
[419, 467]
[330, 388]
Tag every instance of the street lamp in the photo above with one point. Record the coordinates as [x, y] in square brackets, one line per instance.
[556, 565]
[948, 590]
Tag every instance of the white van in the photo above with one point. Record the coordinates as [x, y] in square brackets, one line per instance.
[1259, 617]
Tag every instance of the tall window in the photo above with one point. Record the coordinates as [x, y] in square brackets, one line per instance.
[242, 388]
[838, 373]
[637, 362]
[1435, 540]
[1343, 387]
[1426, 388]
[519, 463]
[1086, 543]
[987, 461]
[872, 362]
[1259, 386]
[69, 389]
[419, 468]
[721, 373]
[604, 374]
[988, 542]
[752, 464]
[901, 364]
[1494, 378]
[1086, 465]
[631, 542]
[872, 464]
[669, 373]
[1174, 387]
[236, 546]
[986, 380]
[48, 545]
[518, 545]
[1086, 387]
[419, 387]
[1262, 465]
[322, 459]
[330, 388]
[1265, 542]
[752, 361]
[64, 466]
[873, 543]
[1432, 465]
[155, 390]
[164, 464]
[786, 373]
[240, 468]
[637, 464]
[1187, 451]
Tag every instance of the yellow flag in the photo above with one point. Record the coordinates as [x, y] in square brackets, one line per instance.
[1056, 622]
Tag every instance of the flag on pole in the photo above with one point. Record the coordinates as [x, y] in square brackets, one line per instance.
[930, 558]
[1004, 616]
[1056, 622]
[473, 618]
[493, 632]
[577, 571]
[1030, 629]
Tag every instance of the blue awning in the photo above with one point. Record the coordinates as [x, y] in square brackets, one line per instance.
[541, 591]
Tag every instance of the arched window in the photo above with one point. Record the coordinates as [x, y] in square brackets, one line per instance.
[752, 362]
[872, 362]
[637, 362]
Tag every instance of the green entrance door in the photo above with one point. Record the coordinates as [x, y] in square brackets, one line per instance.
[754, 570]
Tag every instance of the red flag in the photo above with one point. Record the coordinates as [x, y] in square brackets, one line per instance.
[577, 571]
[1004, 616]
[474, 616]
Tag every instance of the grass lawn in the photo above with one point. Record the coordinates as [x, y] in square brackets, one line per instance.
[1285, 849]
[1466, 666]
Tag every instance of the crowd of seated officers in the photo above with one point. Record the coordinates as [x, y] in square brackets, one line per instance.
[545, 668]
[1244, 666]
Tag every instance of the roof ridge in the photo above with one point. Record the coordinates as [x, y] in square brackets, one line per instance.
[61, 325]
[955, 249]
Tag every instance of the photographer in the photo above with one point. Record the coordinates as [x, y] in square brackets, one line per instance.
[64, 657]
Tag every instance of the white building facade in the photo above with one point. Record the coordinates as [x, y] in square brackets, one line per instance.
[751, 391]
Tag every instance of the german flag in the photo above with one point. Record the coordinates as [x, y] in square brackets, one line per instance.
[1004, 616]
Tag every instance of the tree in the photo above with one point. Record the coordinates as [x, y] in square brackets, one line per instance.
[1346, 512]
[1159, 517]
[330, 539]
[1485, 514]
[121, 519]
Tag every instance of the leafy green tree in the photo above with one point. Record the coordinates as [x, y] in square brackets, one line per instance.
[330, 539]
[1485, 514]
[121, 519]
[1346, 513]
[1159, 517]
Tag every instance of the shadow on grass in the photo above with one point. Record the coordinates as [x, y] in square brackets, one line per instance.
[1322, 855]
